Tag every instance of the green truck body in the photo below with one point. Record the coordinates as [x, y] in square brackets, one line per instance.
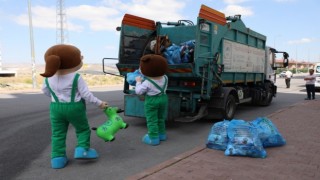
[230, 65]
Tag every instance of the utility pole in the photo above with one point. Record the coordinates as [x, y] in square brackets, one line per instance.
[61, 20]
[0, 60]
[308, 57]
[296, 60]
[33, 62]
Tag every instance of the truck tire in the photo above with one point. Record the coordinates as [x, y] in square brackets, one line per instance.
[230, 107]
[267, 98]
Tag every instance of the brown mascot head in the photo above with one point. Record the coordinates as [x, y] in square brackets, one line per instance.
[153, 65]
[62, 57]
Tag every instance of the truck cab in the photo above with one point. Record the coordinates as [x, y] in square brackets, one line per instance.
[317, 73]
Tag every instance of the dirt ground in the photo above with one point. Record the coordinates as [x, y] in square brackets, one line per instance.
[23, 81]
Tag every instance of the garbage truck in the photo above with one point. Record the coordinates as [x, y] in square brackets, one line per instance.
[214, 65]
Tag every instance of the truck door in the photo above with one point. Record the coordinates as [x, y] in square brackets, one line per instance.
[135, 35]
[208, 39]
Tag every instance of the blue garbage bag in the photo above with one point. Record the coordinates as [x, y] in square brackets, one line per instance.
[131, 77]
[189, 44]
[218, 138]
[244, 140]
[187, 48]
[268, 132]
[172, 54]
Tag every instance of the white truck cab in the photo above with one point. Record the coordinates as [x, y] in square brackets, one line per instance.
[317, 73]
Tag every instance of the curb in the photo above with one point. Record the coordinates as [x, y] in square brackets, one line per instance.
[292, 106]
[165, 164]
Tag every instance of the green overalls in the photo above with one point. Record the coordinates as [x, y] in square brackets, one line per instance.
[156, 110]
[61, 114]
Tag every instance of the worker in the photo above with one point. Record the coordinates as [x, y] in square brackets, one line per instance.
[288, 78]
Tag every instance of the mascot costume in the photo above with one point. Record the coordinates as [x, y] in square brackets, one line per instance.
[68, 93]
[153, 67]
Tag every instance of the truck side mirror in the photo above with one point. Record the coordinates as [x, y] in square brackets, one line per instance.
[285, 59]
[285, 62]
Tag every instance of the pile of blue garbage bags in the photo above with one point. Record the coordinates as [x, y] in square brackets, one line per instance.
[179, 54]
[174, 54]
[245, 138]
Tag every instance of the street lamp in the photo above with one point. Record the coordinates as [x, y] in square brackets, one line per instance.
[296, 60]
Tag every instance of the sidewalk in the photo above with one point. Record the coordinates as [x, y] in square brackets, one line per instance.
[299, 159]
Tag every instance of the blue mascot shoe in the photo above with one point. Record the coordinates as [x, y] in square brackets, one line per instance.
[59, 162]
[83, 153]
[162, 137]
[147, 140]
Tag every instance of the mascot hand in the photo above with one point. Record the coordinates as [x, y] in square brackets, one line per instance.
[103, 105]
[138, 79]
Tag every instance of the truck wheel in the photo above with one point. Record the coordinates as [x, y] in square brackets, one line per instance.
[267, 98]
[230, 107]
[266, 101]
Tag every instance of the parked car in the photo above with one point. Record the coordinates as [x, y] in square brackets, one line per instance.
[283, 74]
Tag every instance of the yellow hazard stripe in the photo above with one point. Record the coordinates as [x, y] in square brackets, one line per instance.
[180, 70]
[127, 69]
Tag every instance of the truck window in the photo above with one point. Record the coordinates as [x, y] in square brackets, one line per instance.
[317, 69]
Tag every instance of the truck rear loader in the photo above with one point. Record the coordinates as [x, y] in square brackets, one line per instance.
[227, 64]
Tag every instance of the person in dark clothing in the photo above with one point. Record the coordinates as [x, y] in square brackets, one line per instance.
[310, 80]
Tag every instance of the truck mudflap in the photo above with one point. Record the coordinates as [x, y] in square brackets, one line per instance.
[201, 113]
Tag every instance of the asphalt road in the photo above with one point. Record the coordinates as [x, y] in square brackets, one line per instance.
[25, 137]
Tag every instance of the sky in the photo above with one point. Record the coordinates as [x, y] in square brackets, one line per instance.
[289, 25]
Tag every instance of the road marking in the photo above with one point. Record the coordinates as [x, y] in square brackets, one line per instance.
[7, 96]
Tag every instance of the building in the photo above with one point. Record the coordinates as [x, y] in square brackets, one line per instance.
[297, 65]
